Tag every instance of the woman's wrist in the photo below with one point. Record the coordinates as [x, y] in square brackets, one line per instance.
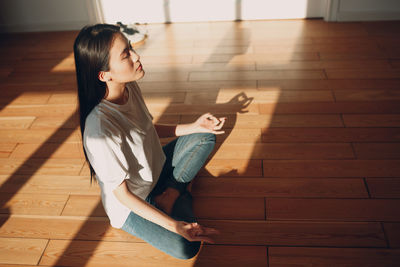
[184, 129]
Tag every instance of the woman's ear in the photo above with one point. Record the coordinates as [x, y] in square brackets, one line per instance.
[104, 76]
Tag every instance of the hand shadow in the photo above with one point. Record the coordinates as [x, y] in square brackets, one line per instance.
[237, 105]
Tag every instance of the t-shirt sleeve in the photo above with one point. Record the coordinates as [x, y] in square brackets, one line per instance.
[107, 160]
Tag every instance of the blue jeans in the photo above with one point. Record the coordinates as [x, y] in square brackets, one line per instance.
[184, 158]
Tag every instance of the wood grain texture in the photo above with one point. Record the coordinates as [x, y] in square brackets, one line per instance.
[21, 250]
[54, 183]
[392, 230]
[382, 108]
[143, 254]
[345, 135]
[280, 187]
[376, 120]
[41, 166]
[62, 227]
[44, 204]
[383, 187]
[350, 257]
[285, 151]
[307, 172]
[297, 233]
[331, 168]
[328, 209]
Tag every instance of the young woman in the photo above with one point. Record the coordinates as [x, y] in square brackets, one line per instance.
[143, 185]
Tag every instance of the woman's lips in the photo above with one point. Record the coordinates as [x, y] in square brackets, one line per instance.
[140, 67]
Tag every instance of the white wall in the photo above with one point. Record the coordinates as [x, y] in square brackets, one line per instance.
[364, 10]
[207, 10]
[43, 15]
[37, 15]
[47, 15]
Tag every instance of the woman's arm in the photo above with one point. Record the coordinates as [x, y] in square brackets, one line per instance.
[207, 123]
[144, 209]
[190, 231]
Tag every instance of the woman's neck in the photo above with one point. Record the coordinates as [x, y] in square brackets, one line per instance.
[115, 93]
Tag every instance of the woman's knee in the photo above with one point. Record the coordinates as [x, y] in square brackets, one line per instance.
[208, 137]
[187, 250]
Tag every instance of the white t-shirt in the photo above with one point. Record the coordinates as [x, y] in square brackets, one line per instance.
[122, 144]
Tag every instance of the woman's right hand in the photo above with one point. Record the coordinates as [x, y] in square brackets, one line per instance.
[195, 232]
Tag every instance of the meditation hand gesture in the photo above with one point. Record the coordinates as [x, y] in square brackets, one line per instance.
[207, 123]
[196, 232]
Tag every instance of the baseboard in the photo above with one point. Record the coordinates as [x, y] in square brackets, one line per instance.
[367, 16]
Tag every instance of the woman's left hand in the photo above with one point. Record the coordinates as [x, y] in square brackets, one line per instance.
[207, 123]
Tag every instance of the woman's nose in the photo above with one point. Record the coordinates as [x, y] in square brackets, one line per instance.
[135, 57]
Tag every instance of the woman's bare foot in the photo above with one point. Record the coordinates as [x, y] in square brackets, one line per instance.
[167, 199]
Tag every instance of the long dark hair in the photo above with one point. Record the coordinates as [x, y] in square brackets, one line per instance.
[91, 51]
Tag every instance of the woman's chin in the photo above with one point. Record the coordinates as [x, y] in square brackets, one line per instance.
[140, 75]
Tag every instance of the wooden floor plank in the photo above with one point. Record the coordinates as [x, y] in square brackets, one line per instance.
[56, 110]
[270, 96]
[24, 98]
[383, 187]
[84, 205]
[143, 254]
[337, 84]
[10, 123]
[204, 207]
[331, 168]
[360, 107]
[315, 135]
[368, 47]
[267, 120]
[353, 56]
[377, 150]
[212, 255]
[21, 251]
[254, 58]
[54, 122]
[42, 184]
[280, 187]
[216, 66]
[285, 151]
[238, 136]
[44, 204]
[367, 95]
[233, 107]
[7, 148]
[210, 86]
[48, 150]
[362, 74]
[324, 64]
[27, 136]
[297, 233]
[373, 120]
[257, 75]
[349, 257]
[235, 167]
[41, 166]
[229, 208]
[332, 209]
[63, 227]
[91, 253]
[392, 231]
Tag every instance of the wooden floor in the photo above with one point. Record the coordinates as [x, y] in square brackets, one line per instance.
[308, 173]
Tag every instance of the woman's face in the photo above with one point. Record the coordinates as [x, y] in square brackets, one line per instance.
[124, 63]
